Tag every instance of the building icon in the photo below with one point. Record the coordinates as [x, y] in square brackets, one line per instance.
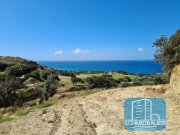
[146, 114]
[142, 109]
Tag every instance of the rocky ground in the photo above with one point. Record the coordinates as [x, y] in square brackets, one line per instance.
[101, 113]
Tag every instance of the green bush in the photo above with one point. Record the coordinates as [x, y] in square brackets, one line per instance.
[3, 66]
[8, 86]
[153, 79]
[101, 82]
[75, 80]
[44, 74]
[119, 80]
[36, 74]
[65, 73]
[125, 84]
[126, 79]
[18, 70]
[136, 83]
[107, 75]
[50, 86]
[160, 79]
[77, 88]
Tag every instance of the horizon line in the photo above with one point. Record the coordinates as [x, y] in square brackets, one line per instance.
[92, 60]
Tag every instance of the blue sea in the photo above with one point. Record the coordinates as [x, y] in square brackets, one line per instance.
[133, 66]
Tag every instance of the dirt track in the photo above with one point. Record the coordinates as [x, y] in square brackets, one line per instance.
[101, 113]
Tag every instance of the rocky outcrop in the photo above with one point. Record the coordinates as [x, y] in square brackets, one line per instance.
[175, 81]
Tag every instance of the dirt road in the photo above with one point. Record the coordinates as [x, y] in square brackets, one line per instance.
[101, 113]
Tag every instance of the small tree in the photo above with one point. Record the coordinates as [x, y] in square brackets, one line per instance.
[168, 51]
[50, 87]
[8, 87]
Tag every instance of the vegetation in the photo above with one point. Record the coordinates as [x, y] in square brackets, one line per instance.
[78, 88]
[153, 79]
[22, 80]
[168, 51]
[101, 82]
[5, 119]
[125, 84]
[36, 75]
[50, 86]
[65, 73]
[44, 104]
[22, 112]
[8, 85]
[75, 80]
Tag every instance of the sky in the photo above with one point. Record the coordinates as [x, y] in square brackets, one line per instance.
[85, 29]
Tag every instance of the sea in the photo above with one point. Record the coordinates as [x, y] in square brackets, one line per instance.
[133, 66]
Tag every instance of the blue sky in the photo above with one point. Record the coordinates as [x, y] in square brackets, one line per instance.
[85, 29]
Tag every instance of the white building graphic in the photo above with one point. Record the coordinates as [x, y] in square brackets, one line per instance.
[142, 110]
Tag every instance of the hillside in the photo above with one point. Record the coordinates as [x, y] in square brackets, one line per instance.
[100, 113]
[23, 80]
[88, 112]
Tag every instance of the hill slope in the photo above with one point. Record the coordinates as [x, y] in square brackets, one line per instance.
[23, 80]
[101, 113]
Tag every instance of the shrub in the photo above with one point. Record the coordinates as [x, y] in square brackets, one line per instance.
[153, 79]
[50, 87]
[18, 70]
[160, 79]
[8, 86]
[101, 82]
[44, 74]
[125, 84]
[78, 88]
[136, 83]
[65, 73]
[126, 79]
[36, 74]
[3, 66]
[119, 80]
[75, 80]
[107, 75]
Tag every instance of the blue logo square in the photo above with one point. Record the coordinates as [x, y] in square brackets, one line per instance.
[147, 114]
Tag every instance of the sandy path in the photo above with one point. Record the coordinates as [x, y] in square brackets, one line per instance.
[101, 113]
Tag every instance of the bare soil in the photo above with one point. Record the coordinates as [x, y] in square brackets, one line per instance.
[101, 113]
